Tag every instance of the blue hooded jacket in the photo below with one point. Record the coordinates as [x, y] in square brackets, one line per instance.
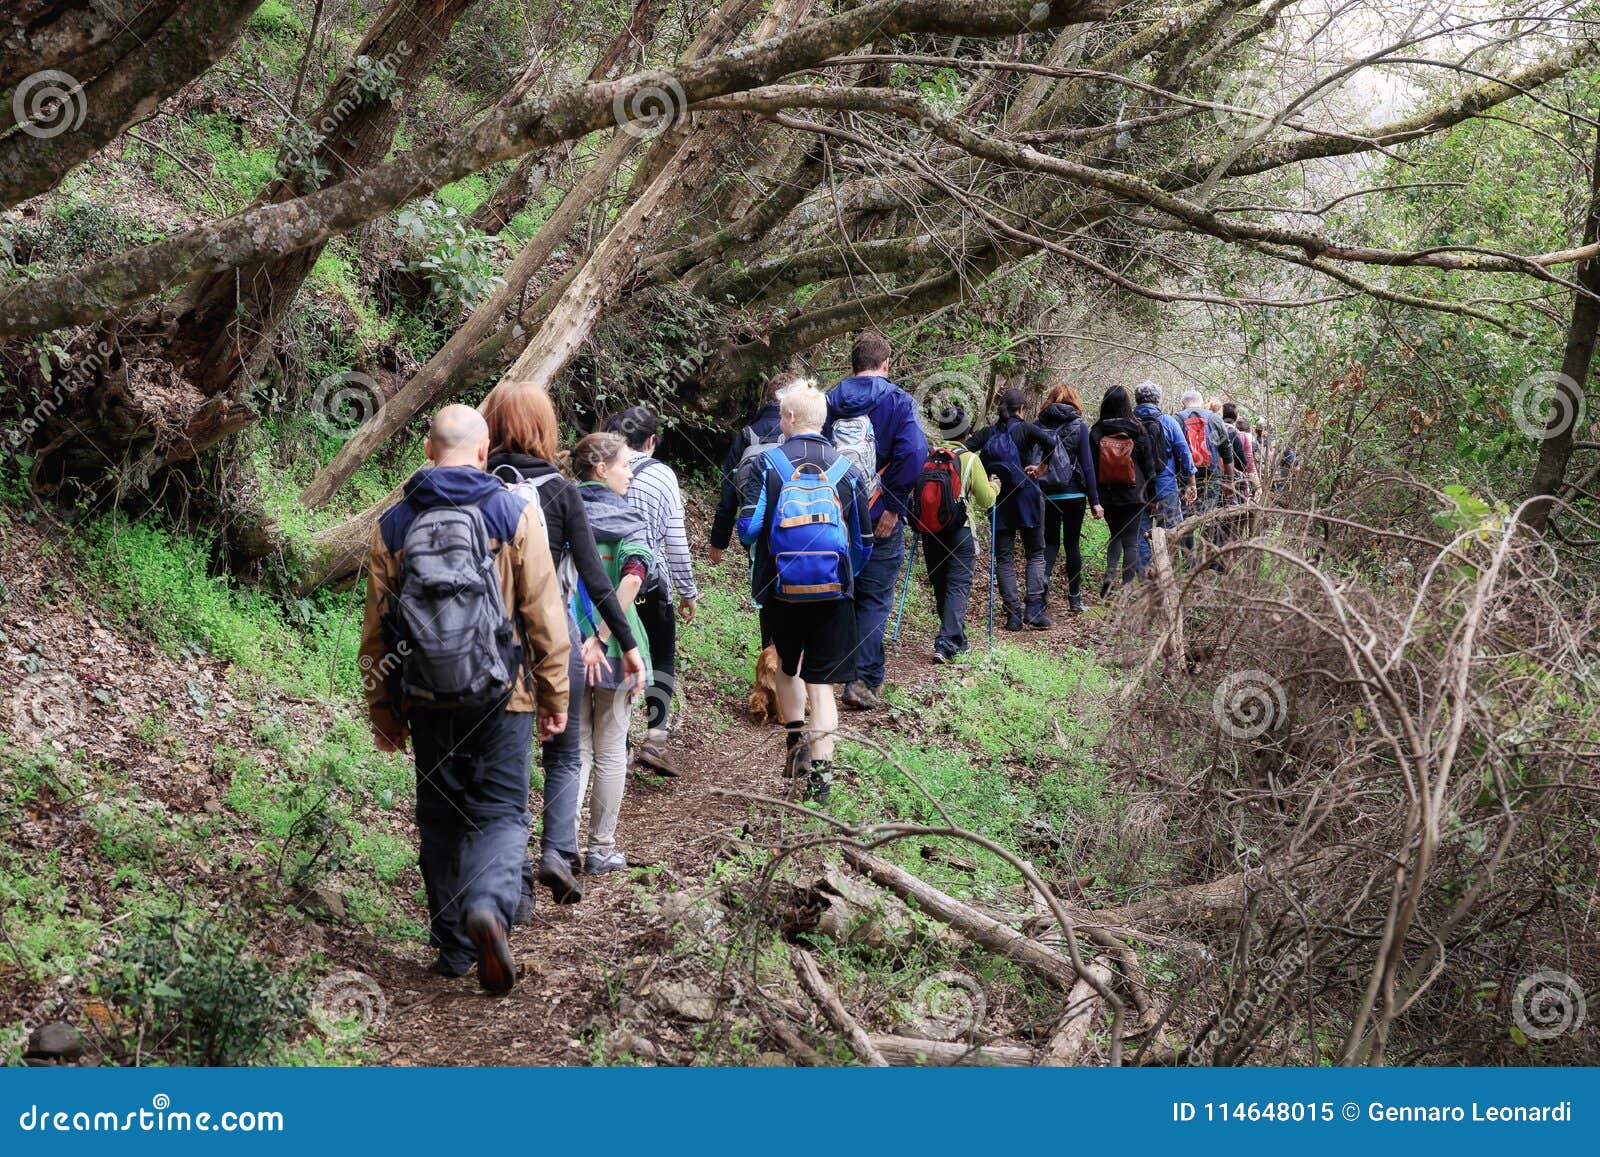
[453, 486]
[1177, 466]
[902, 446]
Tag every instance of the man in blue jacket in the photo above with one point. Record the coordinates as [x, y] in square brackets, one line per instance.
[762, 431]
[1177, 468]
[897, 448]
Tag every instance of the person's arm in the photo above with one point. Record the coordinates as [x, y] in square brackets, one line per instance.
[1091, 485]
[728, 499]
[544, 622]
[981, 491]
[592, 569]
[679, 564]
[908, 453]
[1182, 459]
[383, 577]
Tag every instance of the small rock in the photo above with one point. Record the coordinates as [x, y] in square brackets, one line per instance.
[682, 999]
[625, 1043]
[55, 1041]
[328, 899]
[773, 1061]
[627, 1006]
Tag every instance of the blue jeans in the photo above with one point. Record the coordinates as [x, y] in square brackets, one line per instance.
[1122, 549]
[874, 599]
[472, 816]
[1005, 563]
[951, 556]
[1207, 497]
[1168, 513]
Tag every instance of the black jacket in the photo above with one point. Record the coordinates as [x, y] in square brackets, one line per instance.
[568, 526]
[1147, 466]
[765, 428]
[1021, 503]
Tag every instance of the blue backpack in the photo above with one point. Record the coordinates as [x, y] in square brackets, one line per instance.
[1000, 458]
[808, 540]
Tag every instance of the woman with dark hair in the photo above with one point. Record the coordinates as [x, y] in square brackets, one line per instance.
[1011, 450]
[1068, 483]
[523, 436]
[1125, 465]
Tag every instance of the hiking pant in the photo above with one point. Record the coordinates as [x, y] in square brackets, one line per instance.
[561, 758]
[874, 599]
[1005, 562]
[1207, 494]
[472, 816]
[952, 556]
[1122, 549]
[1063, 531]
[1167, 513]
[603, 730]
[661, 629]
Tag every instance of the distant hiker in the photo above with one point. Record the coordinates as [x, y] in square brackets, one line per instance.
[462, 642]
[1067, 482]
[1011, 449]
[1247, 481]
[1174, 481]
[744, 455]
[524, 435]
[873, 422]
[950, 495]
[1211, 448]
[1125, 466]
[601, 466]
[656, 496]
[807, 522]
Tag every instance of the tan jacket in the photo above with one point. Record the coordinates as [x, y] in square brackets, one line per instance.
[528, 584]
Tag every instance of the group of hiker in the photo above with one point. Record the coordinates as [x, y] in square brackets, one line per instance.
[517, 592]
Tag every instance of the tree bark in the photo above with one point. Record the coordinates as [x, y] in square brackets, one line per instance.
[187, 44]
[811, 979]
[909, 1051]
[1572, 386]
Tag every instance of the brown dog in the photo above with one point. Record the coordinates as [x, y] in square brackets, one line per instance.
[764, 699]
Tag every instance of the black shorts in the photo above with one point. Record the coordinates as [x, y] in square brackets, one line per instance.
[816, 641]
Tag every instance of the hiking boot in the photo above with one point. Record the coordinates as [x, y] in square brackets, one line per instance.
[555, 873]
[448, 969]
[652, 755]
[859, 697]
[1039, 622]
[599, 863]
[1075, 604]
[941, 657]
[1012, 623]
[798, 761]
[497, 971]
[819, 782]
[523, 916]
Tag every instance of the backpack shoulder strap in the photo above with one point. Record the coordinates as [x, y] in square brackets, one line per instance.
[778, 460]
[836, 472]
[644, 464]
[511, 479]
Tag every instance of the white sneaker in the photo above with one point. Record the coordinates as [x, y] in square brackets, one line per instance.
[599, 863]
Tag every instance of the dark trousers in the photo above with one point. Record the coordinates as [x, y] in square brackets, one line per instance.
[1005, 555]
[660, 621]
[874, 599]
[1122, 522]
[472, 817]
[1063, 531]
[561, 758]
[951, 556]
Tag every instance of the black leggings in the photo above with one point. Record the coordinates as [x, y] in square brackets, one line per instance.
[1122, 549]
[661, 629]
[1063, 530]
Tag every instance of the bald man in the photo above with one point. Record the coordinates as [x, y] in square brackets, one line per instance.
[472, 759]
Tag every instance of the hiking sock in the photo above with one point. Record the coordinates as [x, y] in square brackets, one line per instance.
[798, 756]
[819, 783]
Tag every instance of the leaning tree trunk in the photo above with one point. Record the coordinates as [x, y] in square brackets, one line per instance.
[1567, 405]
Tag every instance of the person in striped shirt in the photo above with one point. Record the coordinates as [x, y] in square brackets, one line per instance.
[655, 494]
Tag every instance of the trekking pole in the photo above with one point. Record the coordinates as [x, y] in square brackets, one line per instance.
[905, 589]
[991, 579]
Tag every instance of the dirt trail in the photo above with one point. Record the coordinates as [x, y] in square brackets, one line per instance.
[569, 953]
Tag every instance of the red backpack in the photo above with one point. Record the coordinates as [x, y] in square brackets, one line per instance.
[1194, 429]
[1114, 464]
[936, 497]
